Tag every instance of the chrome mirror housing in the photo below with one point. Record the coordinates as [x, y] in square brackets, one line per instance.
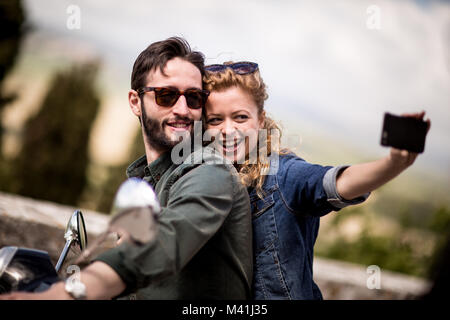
[75, 233]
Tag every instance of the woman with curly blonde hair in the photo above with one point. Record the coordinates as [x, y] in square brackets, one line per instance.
[288, 195]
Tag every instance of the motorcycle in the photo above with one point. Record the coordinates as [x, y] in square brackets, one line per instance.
[134, 213]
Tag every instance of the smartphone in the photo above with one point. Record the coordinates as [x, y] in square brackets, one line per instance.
[404, 133]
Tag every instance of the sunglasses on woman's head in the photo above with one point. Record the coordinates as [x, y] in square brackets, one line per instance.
[167, 96]
[243, 67]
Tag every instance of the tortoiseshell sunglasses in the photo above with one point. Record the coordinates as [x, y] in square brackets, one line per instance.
[168, 96]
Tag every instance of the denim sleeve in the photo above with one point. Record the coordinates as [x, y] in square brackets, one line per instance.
[301, 186]
[329, 185]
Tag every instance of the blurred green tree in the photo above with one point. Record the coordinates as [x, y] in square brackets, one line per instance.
[12, 17]
[54, 157]
[117, 175]
[440, 224]
[391, 253]
[440, 221]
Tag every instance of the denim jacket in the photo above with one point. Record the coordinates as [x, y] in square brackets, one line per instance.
[286, 223]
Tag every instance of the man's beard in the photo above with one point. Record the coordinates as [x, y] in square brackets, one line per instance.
[154, 132]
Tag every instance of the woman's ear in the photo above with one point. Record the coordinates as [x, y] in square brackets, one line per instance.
[262, 118]
[135, 102]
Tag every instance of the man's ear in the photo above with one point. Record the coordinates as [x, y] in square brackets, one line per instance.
[135, 102]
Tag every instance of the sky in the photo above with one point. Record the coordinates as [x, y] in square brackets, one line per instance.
[333, 68]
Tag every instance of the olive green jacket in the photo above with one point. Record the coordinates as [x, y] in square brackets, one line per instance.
[203, 249]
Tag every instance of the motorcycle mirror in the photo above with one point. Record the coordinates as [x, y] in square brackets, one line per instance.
[82, 239]
[135, 208]
[75, 233]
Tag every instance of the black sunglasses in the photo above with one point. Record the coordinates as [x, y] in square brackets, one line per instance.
[167, 96]
[243, 67]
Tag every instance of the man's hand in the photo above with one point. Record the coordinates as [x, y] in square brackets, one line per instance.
[45, 295]
[404, 158]
[20, 296]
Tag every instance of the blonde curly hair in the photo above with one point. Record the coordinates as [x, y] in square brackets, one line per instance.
[251, 174]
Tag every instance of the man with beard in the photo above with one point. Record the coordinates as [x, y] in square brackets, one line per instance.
[203, 247]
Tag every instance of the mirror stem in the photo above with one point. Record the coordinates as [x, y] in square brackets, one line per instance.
[63, 255]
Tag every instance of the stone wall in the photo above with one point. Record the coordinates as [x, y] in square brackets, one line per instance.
[37, 224]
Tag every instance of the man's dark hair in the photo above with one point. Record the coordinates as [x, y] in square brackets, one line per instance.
[158, 54]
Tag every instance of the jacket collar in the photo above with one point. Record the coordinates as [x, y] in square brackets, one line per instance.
[152, 171]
